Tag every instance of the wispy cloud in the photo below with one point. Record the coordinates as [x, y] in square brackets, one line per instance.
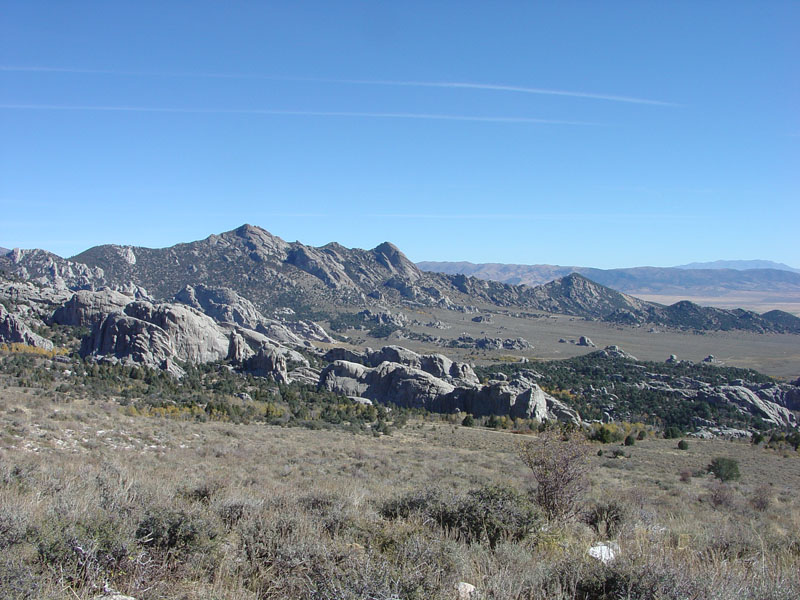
[295, 113]
[507, 88]
[380, 82]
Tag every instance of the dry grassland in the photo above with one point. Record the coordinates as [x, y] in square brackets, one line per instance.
[159, 508]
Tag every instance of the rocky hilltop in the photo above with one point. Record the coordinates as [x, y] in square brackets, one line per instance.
[271, 273]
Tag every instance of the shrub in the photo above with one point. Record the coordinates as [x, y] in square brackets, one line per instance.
[724, 469]
[720, 495]
[630, 440]
[468, 421]
[176, 532]
[492, 512]
[559, 466]
[606, 517]
[683, 445]
[761, 498]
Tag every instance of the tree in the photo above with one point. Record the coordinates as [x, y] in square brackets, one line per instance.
[468, 421]
[559, 465]
[724, 469]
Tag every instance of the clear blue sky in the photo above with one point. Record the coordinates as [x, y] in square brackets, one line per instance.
[600, 134]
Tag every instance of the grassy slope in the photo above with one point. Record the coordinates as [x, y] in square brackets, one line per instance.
[163, 508]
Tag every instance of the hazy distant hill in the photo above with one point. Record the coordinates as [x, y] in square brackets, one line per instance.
[4, 251]
[271, 273]
[739, 265]
[637, 280]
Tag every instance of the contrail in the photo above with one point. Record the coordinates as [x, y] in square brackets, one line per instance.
[381, 82]
[504, 88]
[295, 113]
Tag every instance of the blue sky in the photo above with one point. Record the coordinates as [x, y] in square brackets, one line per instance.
[597, 134]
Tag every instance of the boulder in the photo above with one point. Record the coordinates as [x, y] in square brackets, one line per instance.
[585, 341]
[605, 552]
[466, 591]
[616, 352]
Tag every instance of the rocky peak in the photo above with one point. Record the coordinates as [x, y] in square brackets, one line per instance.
[259, 240]
[393, 259]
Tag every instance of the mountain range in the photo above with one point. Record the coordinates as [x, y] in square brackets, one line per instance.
[272, 273]
[689, 280]
[740, 265]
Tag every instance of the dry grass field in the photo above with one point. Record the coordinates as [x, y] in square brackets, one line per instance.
[94, 499]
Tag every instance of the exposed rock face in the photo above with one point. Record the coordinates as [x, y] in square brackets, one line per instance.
[195, 336]
[267, 362]
[221, 304]
[156, 336]
[306, 375]
[14, 330]
[749, 401]
[224, 305]
[87, 308]
[388, 382]
[238, 349]
[404, 385]
[308, 331]
[773, 403]
[437, 365]
[131, 341]
[46, 268]
[32, 300]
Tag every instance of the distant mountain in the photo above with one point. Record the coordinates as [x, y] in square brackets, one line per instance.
[272, 273]
[637, 280]
[4, 251]
[739, 265]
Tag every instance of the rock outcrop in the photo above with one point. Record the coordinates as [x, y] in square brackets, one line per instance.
[437, 365]
[411, 386]
[13, 330]
[269, 363]
[749, 401]
[195, 336]
[87, 308]
[225, 305]
[128, 340]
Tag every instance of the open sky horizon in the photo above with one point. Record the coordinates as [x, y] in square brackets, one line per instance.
[605, 135]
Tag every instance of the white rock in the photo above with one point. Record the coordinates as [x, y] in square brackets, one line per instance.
[466, 591]
[605, 552]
